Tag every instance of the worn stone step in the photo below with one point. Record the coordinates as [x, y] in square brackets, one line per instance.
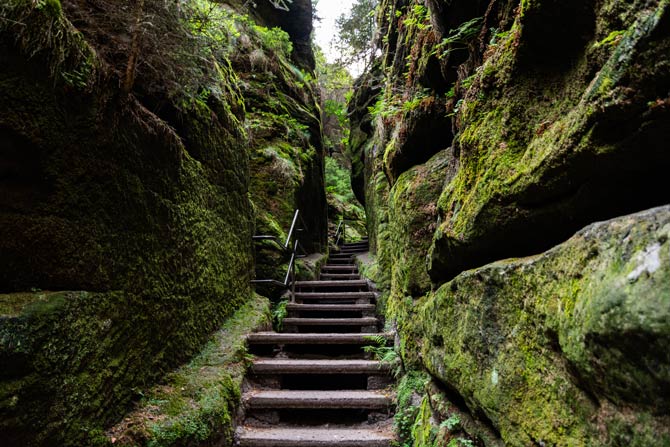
[314, 437]
[344, 260]
[312, 366]
[366, 321]
[267, 338]
[330, 284]
[330, 307]
[340, 276]
[333, 295]
[339, 268]
[276, 399]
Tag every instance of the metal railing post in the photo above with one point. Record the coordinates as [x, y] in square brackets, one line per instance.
[344, 231]
[290, 278]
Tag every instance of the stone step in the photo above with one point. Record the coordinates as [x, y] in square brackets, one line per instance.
[339, 268]
[330, 307]
[341, 260]
[334, 295]
[268, 338]
[366, 321]
[314, 437]
[340, 276]
[311, 366]
[303, 399]
[330, 284]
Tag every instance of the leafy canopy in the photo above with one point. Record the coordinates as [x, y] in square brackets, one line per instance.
[356, 32]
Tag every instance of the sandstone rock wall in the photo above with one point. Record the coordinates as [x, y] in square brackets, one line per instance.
[125, 207]
[497, 129]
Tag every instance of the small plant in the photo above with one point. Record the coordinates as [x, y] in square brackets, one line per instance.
[417, 17]
[377, 339]
[275, 39]
[460, 442]
[612, 39]
[279, 313]
[451, 423]
[459, 38]
[457, 107]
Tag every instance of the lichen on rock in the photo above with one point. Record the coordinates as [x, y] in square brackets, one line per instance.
[555, 115]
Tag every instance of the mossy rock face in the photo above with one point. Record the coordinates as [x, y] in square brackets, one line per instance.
[98, 193]
[366, 91]
[286, 148]
[549, 144]
[413, 218]
[198, 403]
[565, 348]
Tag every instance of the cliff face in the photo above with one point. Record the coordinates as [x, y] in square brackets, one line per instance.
[496, 129]
[124, 196]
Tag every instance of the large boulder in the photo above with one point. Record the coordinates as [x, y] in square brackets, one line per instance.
[554, 133]
[565, 348]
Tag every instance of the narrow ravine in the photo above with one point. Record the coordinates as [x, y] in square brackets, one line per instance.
[313, 384]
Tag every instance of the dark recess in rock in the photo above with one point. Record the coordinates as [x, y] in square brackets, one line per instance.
[297, 22]
[588, 190]
[427, 132]
[555, 34]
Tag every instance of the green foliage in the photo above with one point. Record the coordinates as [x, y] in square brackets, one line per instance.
[459, 38]
[386, 355]
[612, 39]
[40, 30]
[418, 17]
[460, 442]
[452, 423]
[338, 181]
[279, 312]
[335, 84]
[390, 106]
[377, 339]
[275, 39]
[356, 32]
[411, 384]
[50, 7]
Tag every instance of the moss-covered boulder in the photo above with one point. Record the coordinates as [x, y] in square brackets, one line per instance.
[557, 116]
[557, 130]
[198, 403]
[412, 221]
[565, 348]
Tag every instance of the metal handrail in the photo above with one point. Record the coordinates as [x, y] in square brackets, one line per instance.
[341, 232]
[286, 247]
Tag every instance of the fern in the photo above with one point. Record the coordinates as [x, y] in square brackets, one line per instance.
[459, 38]
[377, 339]
[279, 313]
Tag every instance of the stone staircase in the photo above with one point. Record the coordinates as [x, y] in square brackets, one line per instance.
[312, 384]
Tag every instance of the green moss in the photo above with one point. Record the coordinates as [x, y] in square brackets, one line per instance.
[199, 400]
[156, 223]
[412, 212]
[504, 335]
[12, 305]
[52, 8]
[512, 143]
